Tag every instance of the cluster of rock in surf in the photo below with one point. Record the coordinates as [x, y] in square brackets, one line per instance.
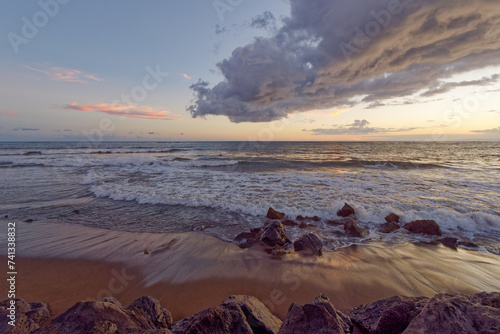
[459, 314]
[273, 237]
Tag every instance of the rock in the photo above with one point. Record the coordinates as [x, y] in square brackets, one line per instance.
[450, 242]
[236, 314]
[354, 230]
[389, 316]
[424, 227]
[389, 227]
[272, 214]
[147, 251]
[274, 233]
[112, 300]
[143, 315]
[457, 314]
[6, 216]
[335, 222]
[29, 316]
[250, 242]
[392, 218]
[148, 312]
[346, 211]
[305, 225]
[245, 235]
[468, 244]
[76, 211]
[299, 217]
[29, 220]
[315, 218]
[289, 222]
[309, 242]
[319, 317]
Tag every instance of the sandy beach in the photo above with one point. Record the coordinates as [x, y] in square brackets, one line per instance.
[61, 264]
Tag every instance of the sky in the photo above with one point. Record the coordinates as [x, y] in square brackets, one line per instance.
[321, 70]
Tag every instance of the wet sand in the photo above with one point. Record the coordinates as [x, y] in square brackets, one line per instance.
[188, 272]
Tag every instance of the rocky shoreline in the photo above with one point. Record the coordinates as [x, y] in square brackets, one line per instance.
[444, 313]
[272, 236]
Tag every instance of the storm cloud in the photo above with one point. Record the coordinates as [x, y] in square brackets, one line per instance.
[333, 54]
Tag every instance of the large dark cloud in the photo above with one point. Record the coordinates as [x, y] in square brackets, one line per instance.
[332, 53]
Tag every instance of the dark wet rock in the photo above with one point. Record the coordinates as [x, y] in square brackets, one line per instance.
[143, 315]
[237, 314]
[389, 227]
[346, 211]
[273, 214]
[147, 251]
[28, 316]
[319, 317]
[29, 220]
[450, 242]
[274, 233]
[251, 242]
[309, 243]
[392, 218]
[468, 244]
[305, 225]
[76, 211]
[245, 235]
[299, 217]
[389, 316]
[457, 314]
[336, 222]
[487, 299]
[315, 219]
[424, 227]
[353, 230]
[6, 216]
[289, 222]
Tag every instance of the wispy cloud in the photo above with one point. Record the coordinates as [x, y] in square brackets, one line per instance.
[9, 113]
[359, 127]
[125, 111]
[494, 130]
[186, 76]
[64, 74]
[25, 129]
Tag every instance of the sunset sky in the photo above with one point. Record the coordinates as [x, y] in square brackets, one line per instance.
[250, 70]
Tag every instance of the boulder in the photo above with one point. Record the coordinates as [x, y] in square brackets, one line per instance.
[273, 214]
[289, 222]
[450, 242]
[389, 316]
[310, 243]
[274, 233]
[458, 314]
[353, 230]
[392, 218]
[29, 316]
[305, 225]
[389, 227]
[245, 235]
[346, 211]
[424, 227]
[236, 314]
[299, 217]
[143, 315]
[319, 317]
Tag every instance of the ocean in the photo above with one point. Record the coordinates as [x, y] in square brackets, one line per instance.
[224, 188]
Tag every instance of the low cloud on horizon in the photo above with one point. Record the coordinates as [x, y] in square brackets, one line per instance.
[337, 54]
[359, 127]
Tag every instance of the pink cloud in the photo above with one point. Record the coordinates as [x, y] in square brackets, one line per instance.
[125, 111]
[9, 113]
[64, 74]
[186, 76]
